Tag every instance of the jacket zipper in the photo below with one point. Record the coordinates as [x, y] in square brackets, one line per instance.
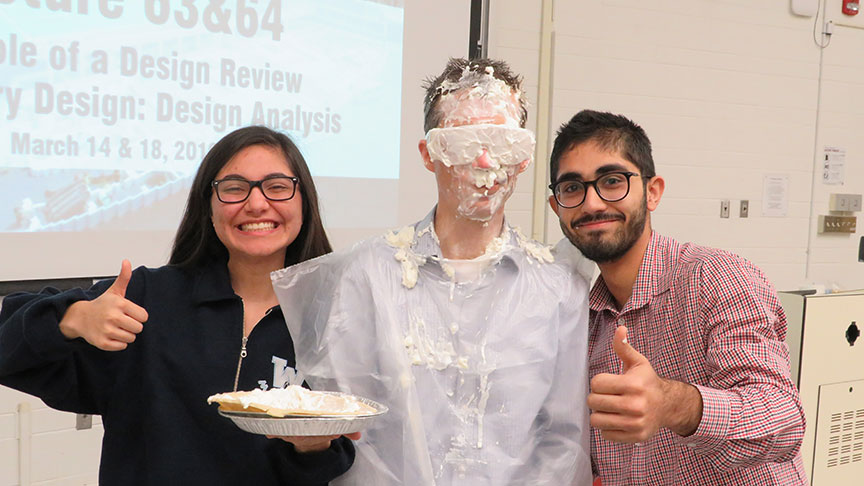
[242, 344]
[240, 361]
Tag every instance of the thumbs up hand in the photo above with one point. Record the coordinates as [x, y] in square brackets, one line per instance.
[633, 406]
[110, 321]
[630, 358]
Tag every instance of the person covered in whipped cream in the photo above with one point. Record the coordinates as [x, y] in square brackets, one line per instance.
[470, 332]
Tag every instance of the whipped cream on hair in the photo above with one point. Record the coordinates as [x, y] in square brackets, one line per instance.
[477, 94]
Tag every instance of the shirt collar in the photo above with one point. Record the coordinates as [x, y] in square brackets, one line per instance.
[426, 242]
[654, 277]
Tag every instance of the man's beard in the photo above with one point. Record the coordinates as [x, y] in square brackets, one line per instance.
[600, 251]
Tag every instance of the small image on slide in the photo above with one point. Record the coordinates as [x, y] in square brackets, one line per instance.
[82, 200]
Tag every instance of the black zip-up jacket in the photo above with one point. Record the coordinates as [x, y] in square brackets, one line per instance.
[152, 396]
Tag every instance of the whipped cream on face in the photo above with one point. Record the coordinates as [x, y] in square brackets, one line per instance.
[481, 139]
[504, 145]
[473, 201]
[487, 177]
[481, 206]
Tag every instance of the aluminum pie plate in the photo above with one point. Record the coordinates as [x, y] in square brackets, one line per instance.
[305, 425]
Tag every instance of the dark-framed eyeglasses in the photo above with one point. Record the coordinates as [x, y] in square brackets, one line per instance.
[611, 187]
[234, 190]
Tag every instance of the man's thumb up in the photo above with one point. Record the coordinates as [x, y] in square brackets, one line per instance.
[630, 358]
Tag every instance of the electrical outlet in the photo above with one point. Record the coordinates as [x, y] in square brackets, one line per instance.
[745, 208]
[724, 208]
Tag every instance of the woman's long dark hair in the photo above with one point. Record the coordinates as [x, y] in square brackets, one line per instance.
[196, 243]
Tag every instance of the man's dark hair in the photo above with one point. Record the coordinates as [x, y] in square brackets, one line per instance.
[196, 243]
[453, 72]
[610, 132]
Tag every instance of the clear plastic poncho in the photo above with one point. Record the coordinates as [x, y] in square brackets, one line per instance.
[486, 379]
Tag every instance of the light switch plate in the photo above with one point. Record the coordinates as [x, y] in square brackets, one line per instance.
[844, 202]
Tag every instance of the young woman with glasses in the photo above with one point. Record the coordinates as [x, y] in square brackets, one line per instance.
[146, 350]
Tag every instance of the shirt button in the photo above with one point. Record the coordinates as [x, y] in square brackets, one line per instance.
[620, 321]
[691, 445]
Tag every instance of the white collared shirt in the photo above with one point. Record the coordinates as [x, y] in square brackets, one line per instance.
[486, 378]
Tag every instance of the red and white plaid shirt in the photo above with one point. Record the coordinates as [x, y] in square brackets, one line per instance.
[709, 318]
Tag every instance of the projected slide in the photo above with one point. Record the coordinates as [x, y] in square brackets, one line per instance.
[108, 106]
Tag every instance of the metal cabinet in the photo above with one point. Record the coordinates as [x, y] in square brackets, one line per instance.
[827, 353]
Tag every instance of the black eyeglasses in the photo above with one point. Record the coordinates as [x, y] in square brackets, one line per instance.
[235, 190]
[611, 187]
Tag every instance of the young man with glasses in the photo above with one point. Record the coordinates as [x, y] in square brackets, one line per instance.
[690, 380]
[465, 328]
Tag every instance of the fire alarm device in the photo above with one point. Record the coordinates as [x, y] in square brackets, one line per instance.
[850, 7]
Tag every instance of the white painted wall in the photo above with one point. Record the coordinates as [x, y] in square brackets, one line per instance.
[841, 123]
[46, 444]
[723, 99]
[728, 91]
[514, 36]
